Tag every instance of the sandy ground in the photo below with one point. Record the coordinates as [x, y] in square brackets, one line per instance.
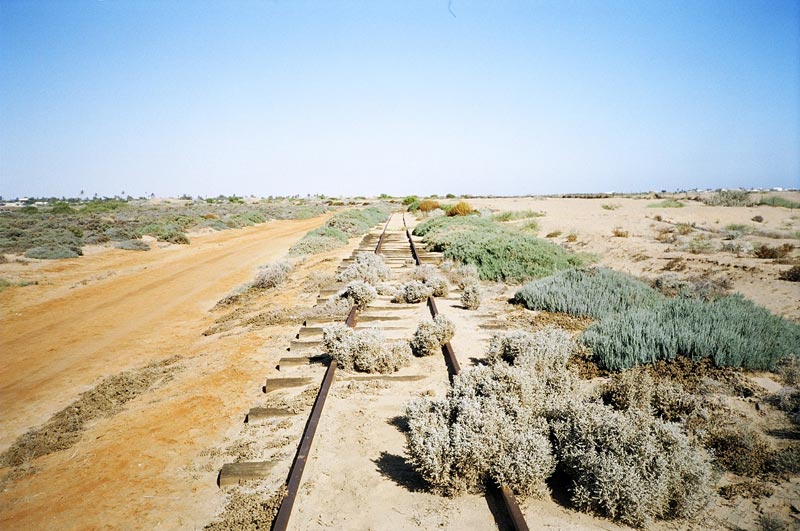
[113, 310]
[154, 465]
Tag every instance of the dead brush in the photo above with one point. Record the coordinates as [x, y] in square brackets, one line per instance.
[776, 253]
[619, 232]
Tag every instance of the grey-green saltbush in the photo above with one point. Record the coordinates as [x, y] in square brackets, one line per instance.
[638, 325]
[319, 241]
[133, 245]
[732, 331]
[431, 335]
[433, 278]
[514, 424]
[588, 292]
[53, 252]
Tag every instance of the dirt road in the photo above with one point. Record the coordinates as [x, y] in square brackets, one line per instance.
[107, 312]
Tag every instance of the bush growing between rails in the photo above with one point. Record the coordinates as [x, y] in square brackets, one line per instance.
[364, 350]
[431, 335]
[368, 267]
[431, 277]
[359, 293]
[412, 292]
[471, 296]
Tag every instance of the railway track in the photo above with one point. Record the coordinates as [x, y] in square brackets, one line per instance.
[305, 364]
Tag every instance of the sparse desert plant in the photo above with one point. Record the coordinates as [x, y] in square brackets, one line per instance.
[776, 253]
[610, 206]
[512, 215]
[359, 293]
[462, 208]
[272, 275]
[553, 234]
[471, 296]
[363, 350]
[428, 205]
[133, 245]
[738, 248]
[628, 465]
[460, 274]
[412, 292]
[368, 267]
[333, 309]
[666, 203]
[758, 219]
[700, 244]
[789, 370]
[684, 228]
[318, 241]
[729, 198]
[431, 335]
[704, 287]
[572, 237]
[619, 232]
[738, 448]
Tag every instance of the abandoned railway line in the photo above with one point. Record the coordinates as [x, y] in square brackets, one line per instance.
[315, 489]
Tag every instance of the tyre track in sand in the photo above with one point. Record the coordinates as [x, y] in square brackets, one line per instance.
[155, 307]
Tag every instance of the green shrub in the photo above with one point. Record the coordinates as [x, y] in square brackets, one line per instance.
[666, 203]
[319, 240]
[100, 206]
[61, 207]
[356, 222]
[778, 201]
[132, 245]
[512, 215]
[53, 251]
[499, 252]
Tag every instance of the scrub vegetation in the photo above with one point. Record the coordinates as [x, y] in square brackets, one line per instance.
[61, 230]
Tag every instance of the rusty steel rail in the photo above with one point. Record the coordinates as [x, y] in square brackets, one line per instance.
[281, 521]
[514, 513]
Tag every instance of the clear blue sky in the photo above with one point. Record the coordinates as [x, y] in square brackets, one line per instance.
[400, 97]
